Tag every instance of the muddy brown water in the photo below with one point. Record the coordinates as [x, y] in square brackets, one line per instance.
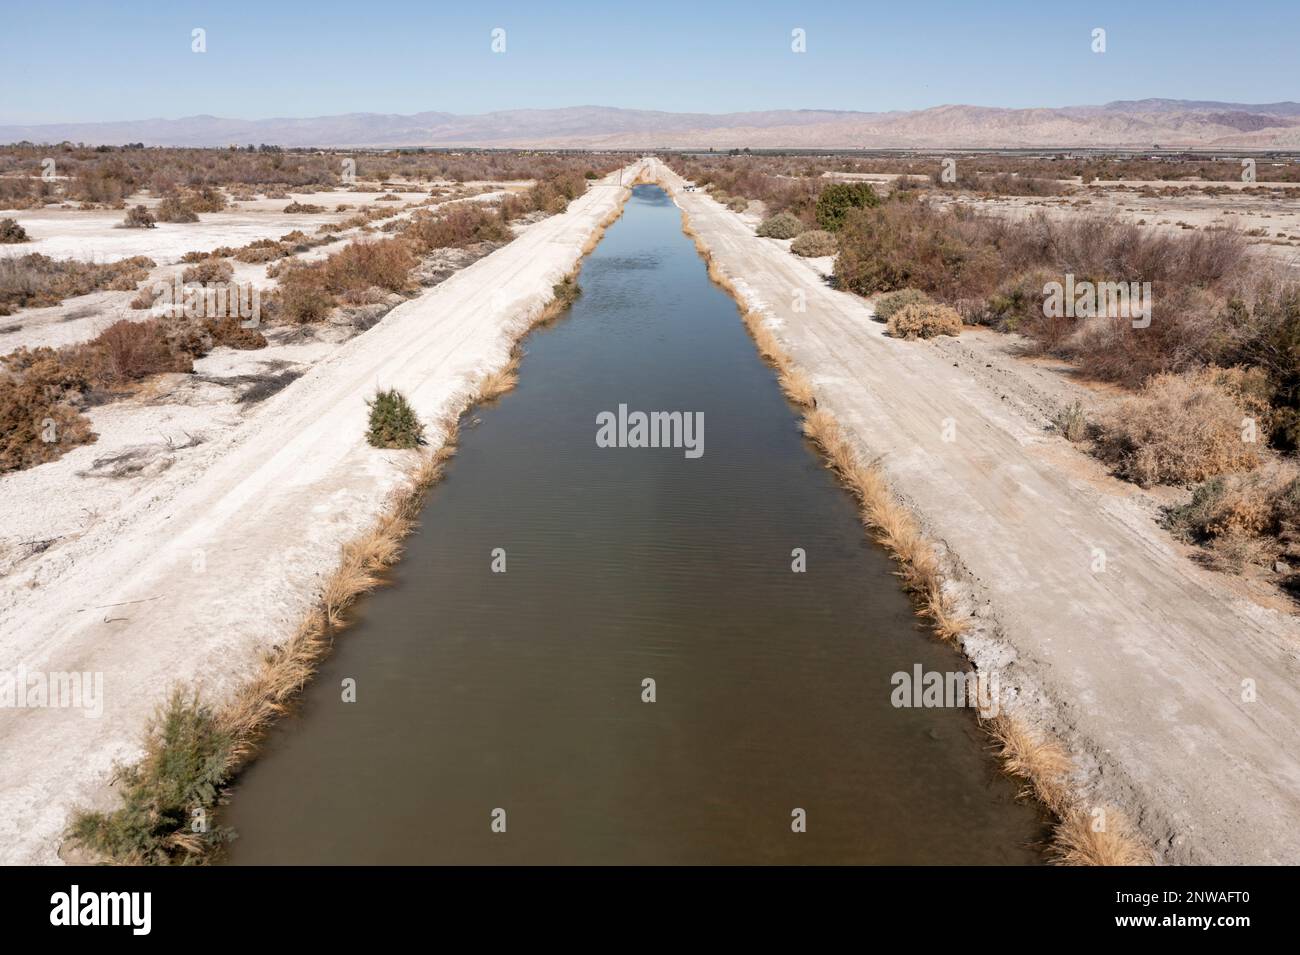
[522, 691]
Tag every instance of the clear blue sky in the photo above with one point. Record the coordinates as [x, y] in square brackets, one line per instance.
[97, 61]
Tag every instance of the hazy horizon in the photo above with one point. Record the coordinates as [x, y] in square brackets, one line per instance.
[322, 59]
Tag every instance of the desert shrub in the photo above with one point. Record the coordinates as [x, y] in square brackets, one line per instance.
[1268, 337]
[887, 305]
[838, 198]
[37, 421]
[301, 297]
[1233, 552]
[11, 232]
[907, 244]
[924, 321]
[393, 422]
[307, 207]
[174, 209]
[737, 203]
[815, 243]
[134, 350]
[565, 292]
[206, 199]
[1222, 506]
[261, 250]
[461, 225]
[138, 217]
[783, 225]
[38, 281]
[144, 299]
[186, 762]
[209, 270]
[386, 263]
[1071, 422]
[1179, 429]
[230, 331]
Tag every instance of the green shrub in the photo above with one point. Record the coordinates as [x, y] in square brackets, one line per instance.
[393, 423]
[185, 765]
[566, 292]
[838, 198]
[783, 225]
[815, 243]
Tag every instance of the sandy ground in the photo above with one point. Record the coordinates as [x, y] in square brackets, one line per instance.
[187, 576]
[1139, 667]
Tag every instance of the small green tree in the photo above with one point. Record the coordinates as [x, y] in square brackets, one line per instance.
[838, 198]
[393, 422]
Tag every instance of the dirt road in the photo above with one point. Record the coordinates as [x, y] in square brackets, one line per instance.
[1134, 656]
[222, 555]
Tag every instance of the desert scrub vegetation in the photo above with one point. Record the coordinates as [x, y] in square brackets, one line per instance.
[924, 321]
[208, 270]
[188, 758]
[138, 217]
[11, 232]
[835, 201]
[1180, 430]
[310, 208]
[38, 281]
[461, 225]
[44, 391]
[814, 243]
[107, 176]
[887, 305]
[173, 209]
[307, 292]
[783, 225]
[1244, 518]
[393, 422]
[1071, 422]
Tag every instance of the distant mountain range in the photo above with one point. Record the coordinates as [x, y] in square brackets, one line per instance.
[1138, 124]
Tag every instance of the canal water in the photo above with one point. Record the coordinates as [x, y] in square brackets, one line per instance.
[517, 700]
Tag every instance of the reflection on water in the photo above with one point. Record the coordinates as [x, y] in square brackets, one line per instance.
[523, 690]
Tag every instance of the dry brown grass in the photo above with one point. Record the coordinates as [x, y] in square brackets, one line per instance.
[1179, 429]
[494, 384]
[1042, 763]
[285, 669]
[924, 321]
[1079, 837]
